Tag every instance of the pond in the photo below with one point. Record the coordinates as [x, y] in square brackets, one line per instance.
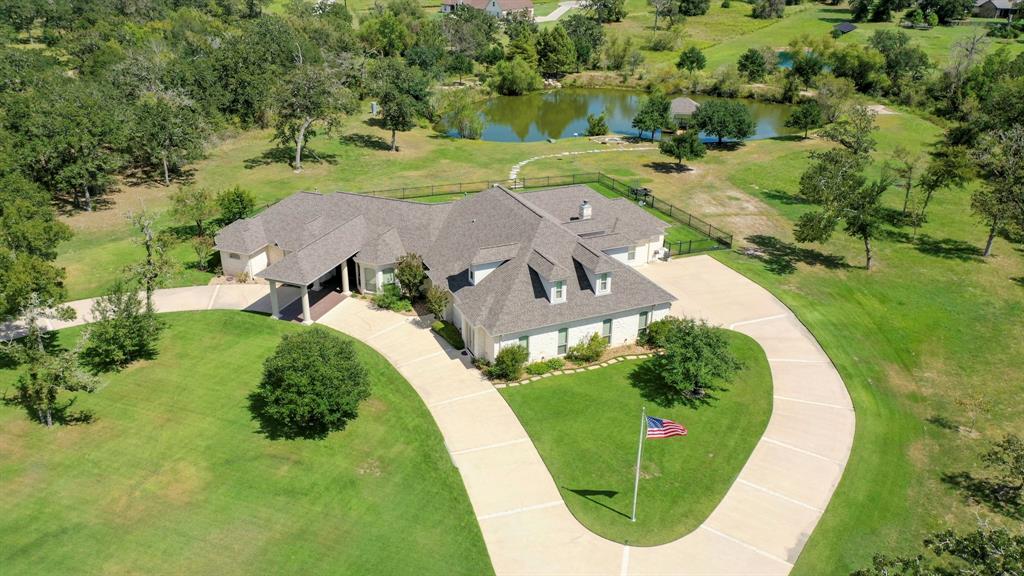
[563, 114]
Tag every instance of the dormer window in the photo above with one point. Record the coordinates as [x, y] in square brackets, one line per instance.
[604, 283]
[558, 291]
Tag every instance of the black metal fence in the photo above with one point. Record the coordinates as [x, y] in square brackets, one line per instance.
[714, 237]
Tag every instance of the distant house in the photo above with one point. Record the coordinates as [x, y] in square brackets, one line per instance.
[843, 28]
[498, 8]
[682, 109]
[1007, 9]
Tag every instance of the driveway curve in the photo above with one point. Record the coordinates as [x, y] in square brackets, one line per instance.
[759, 527]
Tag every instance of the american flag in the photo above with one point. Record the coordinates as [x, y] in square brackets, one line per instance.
[662, 428]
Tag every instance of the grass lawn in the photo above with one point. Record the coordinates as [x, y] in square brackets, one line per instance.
[725, 33]
[174, 476]
[586, 427]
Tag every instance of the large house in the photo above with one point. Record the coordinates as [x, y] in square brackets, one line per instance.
[497, 8]
[543, 269]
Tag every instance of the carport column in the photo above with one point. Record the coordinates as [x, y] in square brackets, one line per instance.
[306, 318]
[344, 278]
[275, 310]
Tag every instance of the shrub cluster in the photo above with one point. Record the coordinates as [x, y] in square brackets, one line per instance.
[544, 366]
[390, 298]
[590, 350]
[450, 333]
[508, 365]
[312, 384]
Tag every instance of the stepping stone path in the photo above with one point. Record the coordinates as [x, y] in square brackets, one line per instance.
[514, 172]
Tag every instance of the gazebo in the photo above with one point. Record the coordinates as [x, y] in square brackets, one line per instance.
[682, 109]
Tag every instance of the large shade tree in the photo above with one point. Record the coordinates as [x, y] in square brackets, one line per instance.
[999, 202]
[168, 131]
[724, 119]
[403, 93]
[29, 236]
[310, 97]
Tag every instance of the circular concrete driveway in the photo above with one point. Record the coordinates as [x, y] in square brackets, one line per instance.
[761, 524]
[759, 527]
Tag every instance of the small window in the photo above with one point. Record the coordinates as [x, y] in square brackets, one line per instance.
[563, 340]
[388, 276]
[606, 330]
[603, 282]
[559, 291]
[524, 341]
[235, 256]
[644, 322]
[631, 255]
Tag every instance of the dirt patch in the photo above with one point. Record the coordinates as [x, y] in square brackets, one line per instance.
[882, 110]
[370, 468]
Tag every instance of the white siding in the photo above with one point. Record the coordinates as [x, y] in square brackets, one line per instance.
[544, 342]
[644, 252]
[480, 271]
[250, 264]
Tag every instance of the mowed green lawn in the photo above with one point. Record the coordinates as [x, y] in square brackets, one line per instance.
[586, 427]
[725, 33]
[174, 476]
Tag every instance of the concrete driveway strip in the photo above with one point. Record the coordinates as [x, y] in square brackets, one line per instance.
[759, 527]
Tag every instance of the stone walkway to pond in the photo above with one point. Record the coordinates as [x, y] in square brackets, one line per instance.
[514, 172]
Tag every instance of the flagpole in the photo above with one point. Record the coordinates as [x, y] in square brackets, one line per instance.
[639, 453]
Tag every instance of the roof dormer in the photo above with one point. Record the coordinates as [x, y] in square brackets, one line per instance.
[488, 258]
[552, 276]
[598, 268]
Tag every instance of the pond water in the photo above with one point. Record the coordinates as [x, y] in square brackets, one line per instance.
[563, 114]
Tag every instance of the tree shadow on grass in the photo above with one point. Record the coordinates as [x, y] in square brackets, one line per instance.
[366, 141]
[62, 414]
[1018, 280]
[725, 146]
[68, 206]
[784, 197]
[789, 138]
[782, 257]
[1000, 497]
[668, 167]
[274, 429]
[286, 154]
[894, 217]
[646, 379]
[942, 422]
[950, 248]
[590, 495]
[182, 176]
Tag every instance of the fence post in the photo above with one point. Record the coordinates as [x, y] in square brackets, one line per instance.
[689, 247]
[709, 230]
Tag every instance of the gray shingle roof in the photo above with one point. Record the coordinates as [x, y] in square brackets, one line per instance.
[547, 269]
[632, 224]
[512, 299]
[499, 253]
[683, 106]
[533, 233]
[384, 249]
[318, 257]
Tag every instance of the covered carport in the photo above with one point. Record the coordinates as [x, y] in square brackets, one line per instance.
[322, 272]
